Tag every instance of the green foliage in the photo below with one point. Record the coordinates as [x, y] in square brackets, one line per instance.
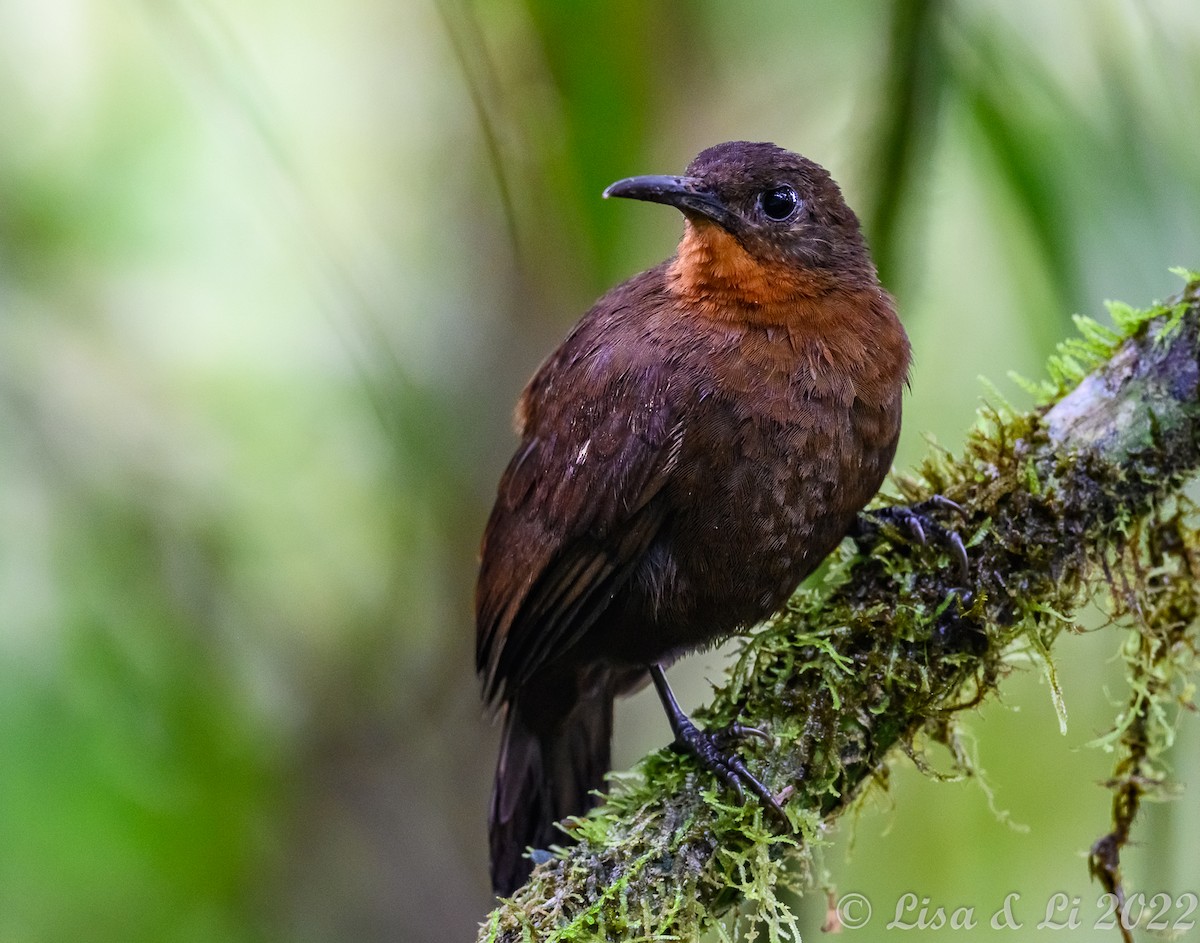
[146, 750]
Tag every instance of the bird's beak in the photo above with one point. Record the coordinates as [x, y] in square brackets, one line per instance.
[690, 195]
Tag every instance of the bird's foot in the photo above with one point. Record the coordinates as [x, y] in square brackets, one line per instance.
[714, 750]
[915, 523]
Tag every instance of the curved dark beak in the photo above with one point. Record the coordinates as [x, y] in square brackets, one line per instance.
[690, 195]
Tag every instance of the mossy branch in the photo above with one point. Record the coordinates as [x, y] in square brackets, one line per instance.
[1075, 500]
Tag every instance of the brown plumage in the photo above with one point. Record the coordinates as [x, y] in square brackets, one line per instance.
[702, 439]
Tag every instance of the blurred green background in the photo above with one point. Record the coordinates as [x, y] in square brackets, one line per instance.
[272, 276]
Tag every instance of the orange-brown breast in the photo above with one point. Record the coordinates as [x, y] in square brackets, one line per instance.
[844, 333]
[712, 271]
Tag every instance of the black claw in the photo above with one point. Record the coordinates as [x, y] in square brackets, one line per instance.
[730, 778]
[941, 501]
[915, 520]
[960, 554]
[735, 732]
[912, 522]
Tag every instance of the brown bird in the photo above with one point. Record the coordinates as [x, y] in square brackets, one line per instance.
[703, 438]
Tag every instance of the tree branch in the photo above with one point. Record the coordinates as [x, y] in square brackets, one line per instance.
[1073, 499]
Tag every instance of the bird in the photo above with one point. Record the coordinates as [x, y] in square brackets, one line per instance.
[702, 439]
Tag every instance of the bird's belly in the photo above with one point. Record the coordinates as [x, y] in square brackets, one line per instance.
[742, 535]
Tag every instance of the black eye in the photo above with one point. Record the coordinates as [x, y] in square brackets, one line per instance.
[779, 203]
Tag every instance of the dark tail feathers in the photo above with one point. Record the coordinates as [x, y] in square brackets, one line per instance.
[542, 778]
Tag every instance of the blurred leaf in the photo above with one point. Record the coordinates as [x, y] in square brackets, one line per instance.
[136, 781]
[907, 128]
[1023, 116]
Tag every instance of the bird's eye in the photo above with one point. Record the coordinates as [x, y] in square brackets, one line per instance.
[779, 203]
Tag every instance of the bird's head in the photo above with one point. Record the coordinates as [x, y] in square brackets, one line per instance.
[764, 226]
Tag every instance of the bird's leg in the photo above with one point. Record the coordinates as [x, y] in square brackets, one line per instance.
[712, 748]
[915, 521]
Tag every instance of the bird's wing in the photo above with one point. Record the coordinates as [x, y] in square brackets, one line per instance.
[575, 512]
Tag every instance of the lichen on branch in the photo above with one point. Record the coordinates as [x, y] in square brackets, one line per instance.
[1078, 499]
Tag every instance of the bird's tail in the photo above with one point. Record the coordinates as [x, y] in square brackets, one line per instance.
[543, 777]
